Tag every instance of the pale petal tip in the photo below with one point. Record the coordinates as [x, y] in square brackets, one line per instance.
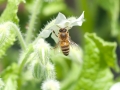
[60, 17]
[82, 17]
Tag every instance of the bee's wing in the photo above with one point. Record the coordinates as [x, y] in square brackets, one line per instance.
[75, 50]
[72, 43]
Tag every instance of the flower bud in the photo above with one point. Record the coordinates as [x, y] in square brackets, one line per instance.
[38, 70]
[41, 71]
[50, 85]
[41, 66]
[42, 51]
[50, 71]
[7, 37]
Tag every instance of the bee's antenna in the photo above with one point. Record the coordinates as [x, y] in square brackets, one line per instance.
[58, 26]
[66, 27]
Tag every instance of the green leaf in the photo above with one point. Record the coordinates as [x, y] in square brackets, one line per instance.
[12, 69]
[98, 56]
[107, 51]
[10, 76]
[10, 13]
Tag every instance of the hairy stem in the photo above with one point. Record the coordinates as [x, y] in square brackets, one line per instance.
[35, 12]
[19, 35]
[24, 58]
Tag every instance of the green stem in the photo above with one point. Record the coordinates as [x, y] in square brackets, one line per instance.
[24, 58]
[68, 81]
[19, 35]
[35, 12]
[21, 40]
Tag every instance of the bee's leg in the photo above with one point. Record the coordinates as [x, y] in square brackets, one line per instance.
[55, 33]
[56, 45]
[58, 42]
[58, 26]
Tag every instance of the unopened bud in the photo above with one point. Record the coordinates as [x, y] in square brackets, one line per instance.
[50, 85]
[7, 37]
[42, 49]
[50, 71]
[38, 71]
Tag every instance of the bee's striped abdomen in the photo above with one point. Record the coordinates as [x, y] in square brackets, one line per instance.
[65, 49]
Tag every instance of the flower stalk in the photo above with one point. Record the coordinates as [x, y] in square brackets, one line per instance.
[35, 11]
[19, 35]
[24, 57]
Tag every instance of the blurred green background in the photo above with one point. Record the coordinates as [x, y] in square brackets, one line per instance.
[101, 17]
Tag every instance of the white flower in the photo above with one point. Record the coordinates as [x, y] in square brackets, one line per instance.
[116, 86]
[50, 85]
[61, 22]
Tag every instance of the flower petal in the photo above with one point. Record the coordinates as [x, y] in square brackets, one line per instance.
[61, 22]
[61, 17]
[81, 18]
[45, 33]
[79, 21]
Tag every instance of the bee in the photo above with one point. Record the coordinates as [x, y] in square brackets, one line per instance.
[64, 40]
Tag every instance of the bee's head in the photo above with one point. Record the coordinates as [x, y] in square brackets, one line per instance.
[63, 30]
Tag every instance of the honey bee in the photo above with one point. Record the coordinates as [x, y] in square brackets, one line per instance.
[64, 40]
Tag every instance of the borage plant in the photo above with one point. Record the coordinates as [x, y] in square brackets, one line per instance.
[37, 57]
